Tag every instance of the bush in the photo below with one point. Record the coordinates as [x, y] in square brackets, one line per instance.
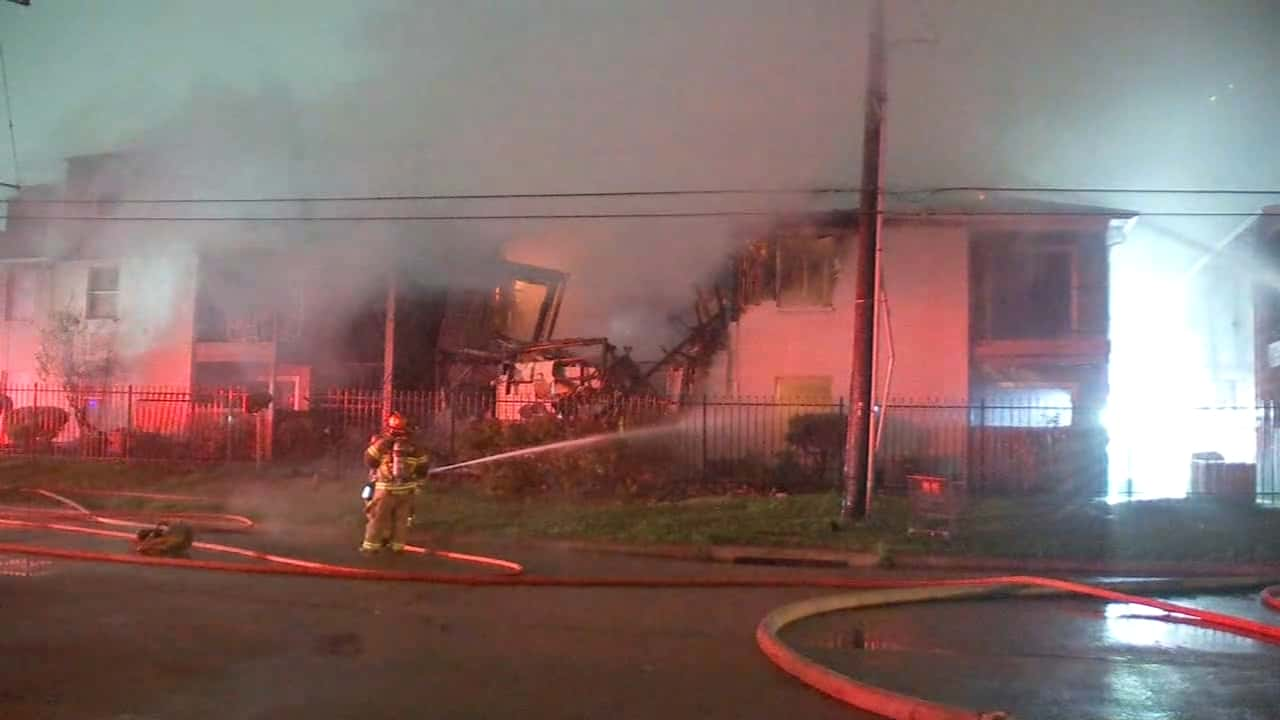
[36, 426]
[298, 436]
[152, 445]
[818, 440]
[210, 433]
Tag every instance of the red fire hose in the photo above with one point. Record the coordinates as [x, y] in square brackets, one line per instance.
[1271, 597]
[511, 574]
[216, 522]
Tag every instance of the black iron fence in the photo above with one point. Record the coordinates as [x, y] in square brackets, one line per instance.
[991, 449]
[994, 449]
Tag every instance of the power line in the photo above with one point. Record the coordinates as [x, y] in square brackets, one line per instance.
[691, 192]
[1091, 190]
[602, 216]
[459, 196]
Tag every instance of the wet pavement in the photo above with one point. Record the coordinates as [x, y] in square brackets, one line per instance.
[113, 642]
[1057, 658]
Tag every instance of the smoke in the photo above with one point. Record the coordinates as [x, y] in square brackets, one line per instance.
[437, 113]
[563, 95]
[229, 144]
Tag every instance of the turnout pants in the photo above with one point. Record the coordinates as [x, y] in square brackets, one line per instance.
[388, 521]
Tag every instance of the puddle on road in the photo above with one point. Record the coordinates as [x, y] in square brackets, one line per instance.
[1050, 658]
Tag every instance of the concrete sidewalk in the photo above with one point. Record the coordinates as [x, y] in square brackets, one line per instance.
[816, 557]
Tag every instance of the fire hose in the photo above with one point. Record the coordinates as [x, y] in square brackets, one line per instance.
[72, 518]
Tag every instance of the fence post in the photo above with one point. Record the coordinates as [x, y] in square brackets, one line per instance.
[839, 465]
[128, 423]
[230, 395]
[704, 437]
[452, 401]
[981, 473]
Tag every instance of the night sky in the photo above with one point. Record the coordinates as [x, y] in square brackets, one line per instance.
[532, 95]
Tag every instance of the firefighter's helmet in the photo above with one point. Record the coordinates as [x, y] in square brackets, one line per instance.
[396, 424]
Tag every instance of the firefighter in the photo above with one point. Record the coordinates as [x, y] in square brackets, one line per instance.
[399, 463]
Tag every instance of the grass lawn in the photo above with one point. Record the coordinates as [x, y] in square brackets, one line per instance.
[1021, 528]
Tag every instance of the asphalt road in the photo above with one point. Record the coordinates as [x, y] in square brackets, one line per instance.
[118, 642]
[1065, 658]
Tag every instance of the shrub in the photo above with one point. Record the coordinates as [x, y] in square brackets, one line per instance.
[210, 433]
[153, 445]
[35, 426]
[298, 436]
[818, 440]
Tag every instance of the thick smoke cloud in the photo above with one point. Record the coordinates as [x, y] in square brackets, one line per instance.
[578, 95]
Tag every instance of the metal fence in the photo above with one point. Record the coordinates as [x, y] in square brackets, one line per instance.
[992, 449]
[704, 432]
[995, 449]
[128, 422]
[217, 424]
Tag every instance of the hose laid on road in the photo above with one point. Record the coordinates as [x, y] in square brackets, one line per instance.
[828, 681]
[215, 522]
[1271, 597]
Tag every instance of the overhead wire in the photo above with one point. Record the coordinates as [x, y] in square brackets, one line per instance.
[671, 192]
[921, 214]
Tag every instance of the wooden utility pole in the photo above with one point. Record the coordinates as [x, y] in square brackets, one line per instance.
[857, 480]
[389, 348]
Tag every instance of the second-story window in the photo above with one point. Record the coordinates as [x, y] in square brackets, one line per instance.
[806, 271]
[19, 286]
[1027, 285]
[103, 298]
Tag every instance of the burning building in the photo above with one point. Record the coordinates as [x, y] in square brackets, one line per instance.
[983, 313]
[185, 306]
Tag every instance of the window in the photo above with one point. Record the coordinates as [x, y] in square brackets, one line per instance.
[1027, 284]
[253, 297]
[1026, 407]
[815, 389]
[806, 271]
[520, 309]
[104, 293]
[20, 293]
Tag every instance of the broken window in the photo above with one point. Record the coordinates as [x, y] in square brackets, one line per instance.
[20, 293]
[525, 302]
[1026, 285]
[757, 267]
[103, 297]
[520, 309]
[806, 271]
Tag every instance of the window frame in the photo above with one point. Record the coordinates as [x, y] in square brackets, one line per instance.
[8, 286]
[91, 292]
[1029, 244]
[827, 264]
[819, 398]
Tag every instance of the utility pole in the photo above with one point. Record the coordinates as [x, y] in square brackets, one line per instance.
[389, 348]
[857, 481]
